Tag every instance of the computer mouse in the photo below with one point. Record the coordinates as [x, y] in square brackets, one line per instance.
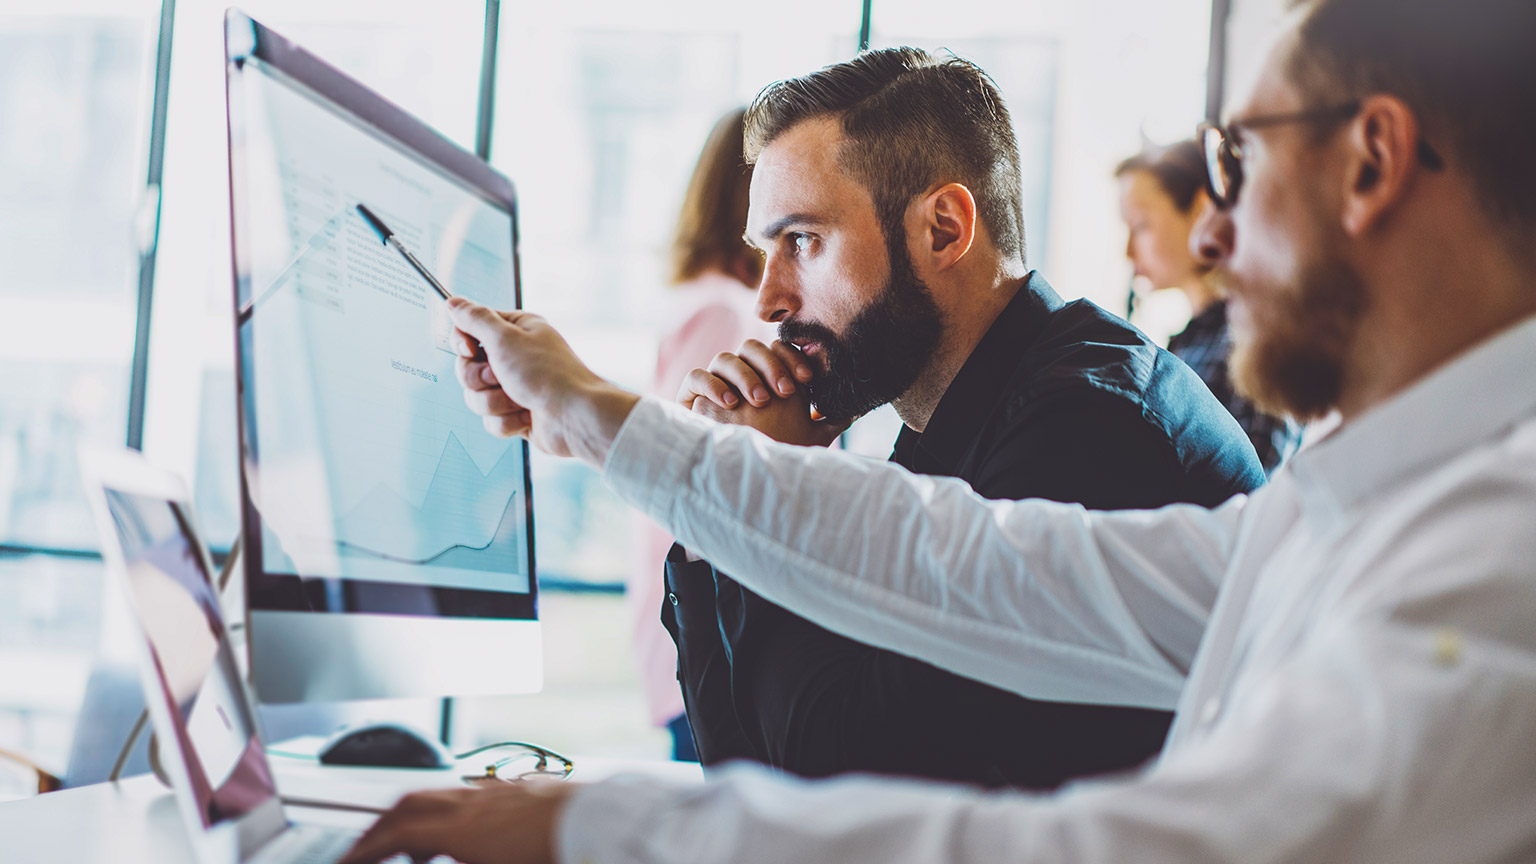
[384, 745]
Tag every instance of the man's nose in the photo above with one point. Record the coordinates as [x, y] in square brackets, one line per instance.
[1212, 238]
[777, 298]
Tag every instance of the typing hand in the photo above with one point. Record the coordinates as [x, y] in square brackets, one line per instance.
[759, 387]
[505, 823]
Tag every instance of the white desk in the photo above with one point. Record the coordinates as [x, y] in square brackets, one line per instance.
[136, 821]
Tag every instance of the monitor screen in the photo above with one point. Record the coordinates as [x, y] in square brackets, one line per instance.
[175, 605]
[370, 486]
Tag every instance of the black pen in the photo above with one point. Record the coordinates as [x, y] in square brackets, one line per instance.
[390, 239]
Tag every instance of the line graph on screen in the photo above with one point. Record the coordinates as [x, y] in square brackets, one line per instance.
[467, 518]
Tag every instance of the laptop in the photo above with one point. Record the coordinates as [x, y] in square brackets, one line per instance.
[209, 745]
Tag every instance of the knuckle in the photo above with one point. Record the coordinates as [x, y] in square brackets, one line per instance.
[412, 802]
[469, 374]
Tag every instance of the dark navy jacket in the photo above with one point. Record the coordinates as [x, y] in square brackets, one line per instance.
[1058, 400]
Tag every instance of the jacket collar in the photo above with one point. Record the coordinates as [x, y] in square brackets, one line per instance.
[980, 384]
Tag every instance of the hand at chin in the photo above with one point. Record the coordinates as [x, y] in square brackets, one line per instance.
[787, 419]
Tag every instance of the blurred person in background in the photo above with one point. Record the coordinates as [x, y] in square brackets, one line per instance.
[714, 275]
[1162, 196]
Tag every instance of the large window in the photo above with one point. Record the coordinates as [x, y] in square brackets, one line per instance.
[603, 108]
[429, 64]
[1088, 84]
[74, 85]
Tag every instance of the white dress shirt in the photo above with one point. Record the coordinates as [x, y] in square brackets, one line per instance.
[1351, 649]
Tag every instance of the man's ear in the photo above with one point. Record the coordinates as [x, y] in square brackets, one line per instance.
[948, 225]
[1382, 147]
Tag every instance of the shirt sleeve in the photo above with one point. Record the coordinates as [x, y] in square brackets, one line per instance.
[1395, 727]
[1036, 597]
[1363, 747]
[1274, 438]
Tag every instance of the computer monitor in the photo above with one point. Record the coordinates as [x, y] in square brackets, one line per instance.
[388, 539]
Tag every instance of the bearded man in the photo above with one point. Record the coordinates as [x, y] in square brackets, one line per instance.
[885, 201]
[1350, 647]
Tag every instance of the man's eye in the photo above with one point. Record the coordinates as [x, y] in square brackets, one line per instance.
[802, 242]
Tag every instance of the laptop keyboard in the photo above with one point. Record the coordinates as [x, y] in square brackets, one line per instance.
[314, 844]
[307, 844]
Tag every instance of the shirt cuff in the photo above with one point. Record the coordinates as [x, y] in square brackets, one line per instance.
[651, 456]
[604, 823]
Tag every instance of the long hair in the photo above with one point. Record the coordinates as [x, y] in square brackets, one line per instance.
[714, 213]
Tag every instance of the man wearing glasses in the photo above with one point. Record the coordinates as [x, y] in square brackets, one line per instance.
[1352, 645]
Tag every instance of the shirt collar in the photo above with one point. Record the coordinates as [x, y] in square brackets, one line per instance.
[968, 402]
[1467, 400]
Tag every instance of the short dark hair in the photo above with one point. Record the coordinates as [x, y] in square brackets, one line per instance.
[911, 120]
[1467, 68]
[1179, 170]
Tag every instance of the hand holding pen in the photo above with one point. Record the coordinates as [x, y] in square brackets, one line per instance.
[391, 239]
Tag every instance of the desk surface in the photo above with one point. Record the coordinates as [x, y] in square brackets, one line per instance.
[136, 821]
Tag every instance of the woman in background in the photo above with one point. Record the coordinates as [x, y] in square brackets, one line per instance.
[714, 275]
[1162, 195]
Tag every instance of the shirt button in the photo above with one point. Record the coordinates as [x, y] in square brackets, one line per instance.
[1209, 711]
[672, 598]
[1448, 646]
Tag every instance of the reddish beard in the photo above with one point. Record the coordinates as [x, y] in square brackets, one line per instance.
[1291, 363]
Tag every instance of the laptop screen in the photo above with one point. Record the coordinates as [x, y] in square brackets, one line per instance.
[178, 611]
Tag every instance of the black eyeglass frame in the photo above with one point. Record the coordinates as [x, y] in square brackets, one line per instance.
[1221, 145]
[522, 750]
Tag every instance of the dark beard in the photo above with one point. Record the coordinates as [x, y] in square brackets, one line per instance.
[1292, 364]
[884, 349]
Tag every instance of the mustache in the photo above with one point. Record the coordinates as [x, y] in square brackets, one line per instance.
[795, 331]
[1222, 280]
